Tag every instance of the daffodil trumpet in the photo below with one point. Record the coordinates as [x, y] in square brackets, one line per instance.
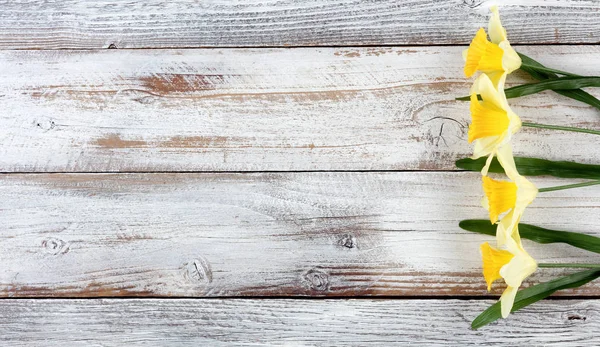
[507, 198]
[492, 121]
[495, 57]
[512, 264]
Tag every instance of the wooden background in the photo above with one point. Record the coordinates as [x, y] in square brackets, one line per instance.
[257, 172]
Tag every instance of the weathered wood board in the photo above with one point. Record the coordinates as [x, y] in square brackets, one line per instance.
[264, 234]
[143, 189]
[239, 322]
[27, 24]
[263, 109]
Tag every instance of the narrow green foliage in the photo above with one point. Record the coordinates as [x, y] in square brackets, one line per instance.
[533, 68]
[541, 72]
[537, 234]
[536, 293]
[560, 83]
[568, 82]
[536, 167]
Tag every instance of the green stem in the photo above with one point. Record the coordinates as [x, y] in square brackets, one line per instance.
[569, 186]
[570, 265]
[547, 69]
[556, 127]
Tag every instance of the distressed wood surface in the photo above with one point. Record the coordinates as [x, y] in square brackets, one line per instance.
[214, 322]
[28, 24]
[267, 234]
[263, 109]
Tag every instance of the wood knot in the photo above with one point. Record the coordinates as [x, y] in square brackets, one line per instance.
[198, 271]
[138, 96]
[576, 317]
[473, 3]
[445, 131]
[347, 241]
[44, 124]
[317, 280]
[55, 246]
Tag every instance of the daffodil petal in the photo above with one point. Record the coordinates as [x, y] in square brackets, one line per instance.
[486, 146]
[507, 300]
[496, 30]
[484, 86]
[486, 167]
[506, 159]
[504, 229]
[497, 77]
[520, 266]
[510, 59]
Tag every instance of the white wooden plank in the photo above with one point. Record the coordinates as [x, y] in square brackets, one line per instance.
[214, 322]
[320, 234]
[263, 109]
[223, 23]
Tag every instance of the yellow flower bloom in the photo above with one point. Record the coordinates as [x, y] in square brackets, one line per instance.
[513, 265]
[492, 120]
[496, 58]
[507, 196]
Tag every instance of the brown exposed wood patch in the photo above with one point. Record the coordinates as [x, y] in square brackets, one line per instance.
[194, 142]
[92, 289]
[115, 141]
[133, 237]
[347, 53]
[164, 84]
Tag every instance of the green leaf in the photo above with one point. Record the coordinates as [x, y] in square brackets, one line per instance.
[536, 293]
[536, 167]
[537, 234]
[528, 64]
[568, 82]
[539, 72]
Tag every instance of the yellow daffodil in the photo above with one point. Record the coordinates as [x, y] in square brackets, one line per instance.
[496, 58]
[492, 120]
[507, 196]
[513, 265]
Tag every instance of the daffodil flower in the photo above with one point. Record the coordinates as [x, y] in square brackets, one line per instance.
[514, 265]
[496, 58]
[492, 120]
[507, 196]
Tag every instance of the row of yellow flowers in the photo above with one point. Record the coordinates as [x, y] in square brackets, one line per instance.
[493, 124]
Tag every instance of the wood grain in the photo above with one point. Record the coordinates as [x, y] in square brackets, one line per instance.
[27, 24]
[263, 109]
[214, 322]
[277, 234]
